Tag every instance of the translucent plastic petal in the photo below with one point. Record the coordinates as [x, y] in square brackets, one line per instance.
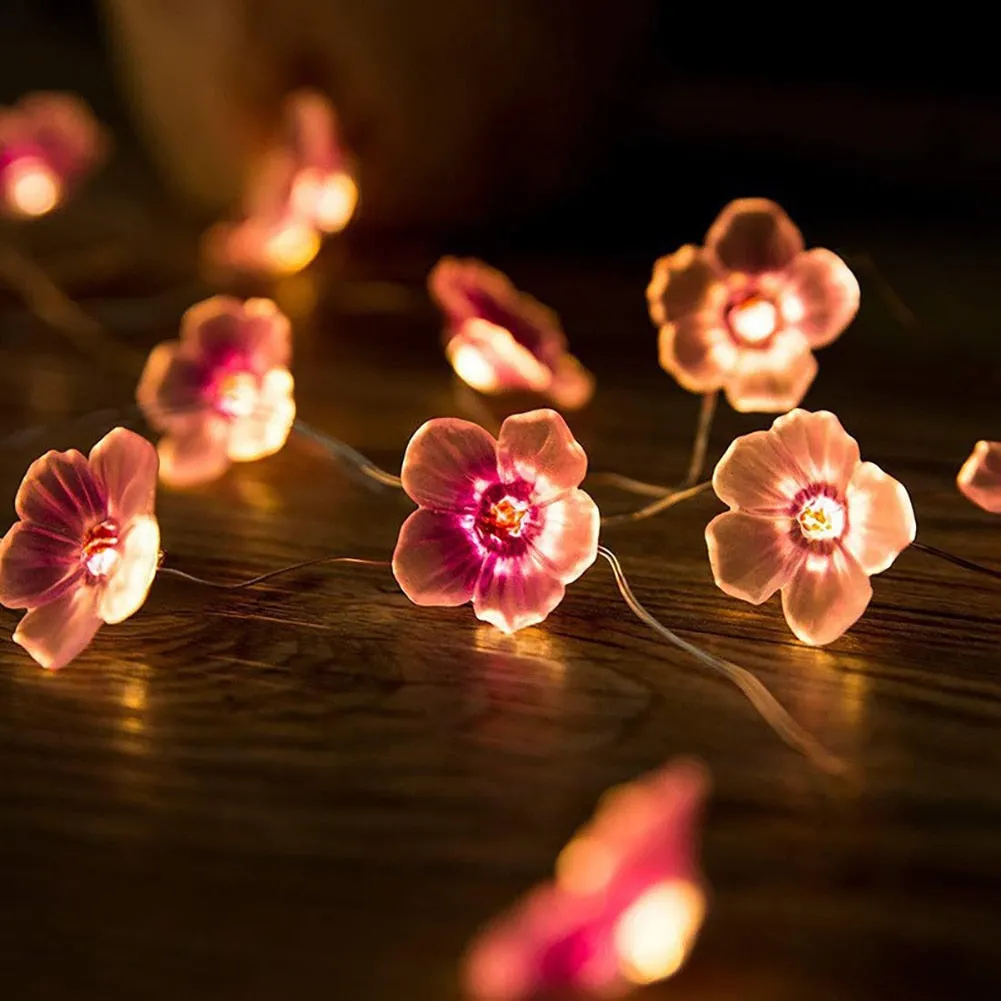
[752, 235]
[56, 633]
[572, 384]
[684, 283]
[255, 331]
[170, 389]
[698, 352]
[512, 594]
[821, 296]
[880, 518]
[490, 360]
[826, 597]
[751, 556]
[200, 456]
[60, 493]
[568, 541]
[126, 466]
[980, 477]
[758, 474]
[819, 445]
[538, 447]
[772, 379]
[265, 431]
[436, 560]
[36, 566]
[448, 463]
[125, 591]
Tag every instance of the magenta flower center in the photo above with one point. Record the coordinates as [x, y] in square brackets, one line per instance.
[819, 514]
[100, 550]
[753, 320]
[506, 518]
[237, 394]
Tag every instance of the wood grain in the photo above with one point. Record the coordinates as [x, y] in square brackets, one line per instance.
[315, 790]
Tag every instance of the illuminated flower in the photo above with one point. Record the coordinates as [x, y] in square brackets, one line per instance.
[301, 189]
[743, 313]
[980, 477]
[499, 339]
[86, 547]
[222, 393]
[47, 142]
[807, 517]
[501, 522]
[624, 908]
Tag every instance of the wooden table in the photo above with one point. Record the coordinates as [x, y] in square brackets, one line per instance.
[316, 790]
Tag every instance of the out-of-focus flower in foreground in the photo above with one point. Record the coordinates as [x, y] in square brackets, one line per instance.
[744, 312]
[48, 142]
[86, 547]
[806, 516]
[222, 392]
[501, 340]
[501, 523]
[302, 189]
[980, 477]
[625, 905]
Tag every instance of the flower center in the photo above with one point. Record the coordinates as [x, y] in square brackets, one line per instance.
[506, 518]
[754, 320]
[237, 394]
[100, 551]
[821, 518]
[32, 188]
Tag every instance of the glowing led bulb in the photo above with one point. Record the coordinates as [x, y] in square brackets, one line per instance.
[32, 188]
[754, 320]
[238, 394]
[292, 247]
[821, 518]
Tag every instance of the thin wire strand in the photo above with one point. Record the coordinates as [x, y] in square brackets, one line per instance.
[271, 574]
[754, 691]
[675, 497]
[341, 450]
[959, 561]
[707, 411]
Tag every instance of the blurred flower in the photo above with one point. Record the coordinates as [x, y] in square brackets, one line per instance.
[980, 477]
[624, 908]
[743, 312]
[807, 516]
[302, 188]
[48, 141]
[501, 522]
[499, 339]
[221, 393]
[87, 545]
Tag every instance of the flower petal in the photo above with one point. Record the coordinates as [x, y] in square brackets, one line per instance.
[125, 464]
[752, 235]
[757, 474]
[568, 541]
[447, 463]
[772, 379]
[223, 326]
[538, 447]
[821, 297]
[684, 283]
[880, 518]
[36, 566]
[826, 597]
[490, 360]
[265, 431]
[515, 593]
[60, 493]
[980, 477]
[820, 446]
[572, 385]
[751, 556]
[436, 560]
[54, 634]
[197, 457]
[698, 352]
[170, 389]
[125, 591]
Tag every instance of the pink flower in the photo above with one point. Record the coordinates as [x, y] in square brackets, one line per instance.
[47, 142]
[499, 339]
[86, 547]
[742, 313]
[302, 188]
[980, 477]
[500, 523]
[222, 393]
[807, 516]
[625, 906]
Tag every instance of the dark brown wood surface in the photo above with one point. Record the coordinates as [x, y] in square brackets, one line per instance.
[315, 790]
